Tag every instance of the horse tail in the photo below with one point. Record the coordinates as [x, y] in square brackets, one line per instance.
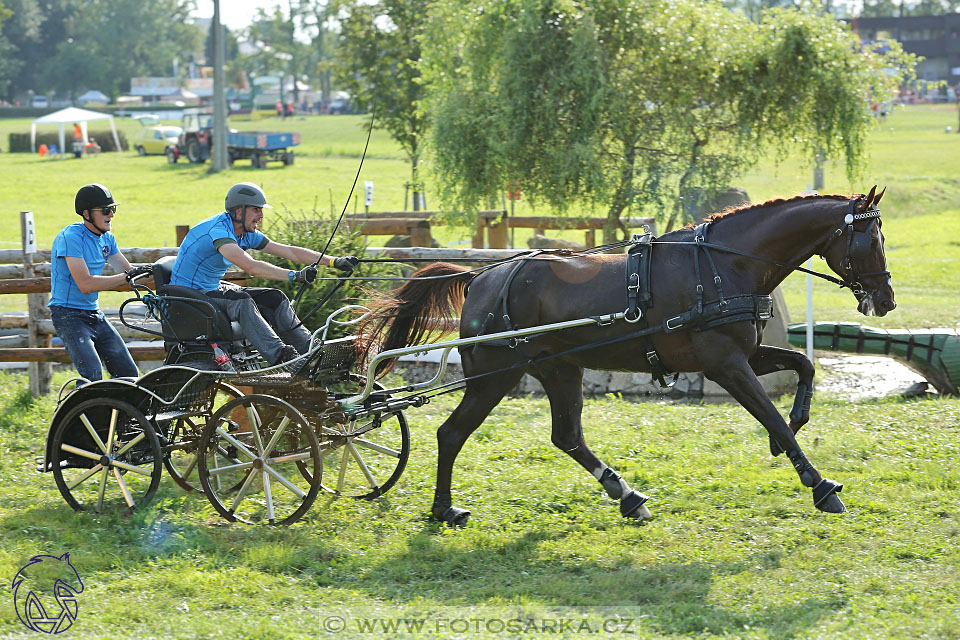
[413, 313]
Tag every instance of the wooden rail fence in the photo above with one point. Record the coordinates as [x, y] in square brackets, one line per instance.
[493, 226]
[27, 271]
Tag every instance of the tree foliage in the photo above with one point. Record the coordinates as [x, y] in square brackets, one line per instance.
[378, 62]
[639, 103]
[69, 46]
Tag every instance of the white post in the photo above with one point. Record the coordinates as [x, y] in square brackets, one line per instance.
[817, 187]
[810, 311]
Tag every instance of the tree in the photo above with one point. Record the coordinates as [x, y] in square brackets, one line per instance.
[72, 45]
[378, 61]
[317, 18]
[279, 49]
[639, 103]
[9, 64]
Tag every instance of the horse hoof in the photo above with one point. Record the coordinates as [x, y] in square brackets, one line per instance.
[453, 516]
[825, 496]
[832, 504]
[632, 506]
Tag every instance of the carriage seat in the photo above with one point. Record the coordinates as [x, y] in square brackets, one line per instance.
[189, 315]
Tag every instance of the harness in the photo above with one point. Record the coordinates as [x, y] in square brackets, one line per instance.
[702, 315]
[699, 317]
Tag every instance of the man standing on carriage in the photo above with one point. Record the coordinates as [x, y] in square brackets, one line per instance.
[264, 313]
[77, 258]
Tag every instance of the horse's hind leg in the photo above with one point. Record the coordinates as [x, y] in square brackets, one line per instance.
[736, 376]
[479, 399]
[769, 359]
[563, 383]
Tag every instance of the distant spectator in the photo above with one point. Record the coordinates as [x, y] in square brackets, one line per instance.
[279, 107]
[289, 109]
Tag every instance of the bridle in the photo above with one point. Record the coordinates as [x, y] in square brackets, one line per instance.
[858, 248]
[859, 244]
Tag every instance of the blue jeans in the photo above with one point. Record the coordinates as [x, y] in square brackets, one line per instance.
[92, 342]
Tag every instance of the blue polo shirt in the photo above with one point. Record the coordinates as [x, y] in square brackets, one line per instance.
[199, 264]
[76, 241]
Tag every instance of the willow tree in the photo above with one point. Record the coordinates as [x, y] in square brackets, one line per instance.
[638, 103]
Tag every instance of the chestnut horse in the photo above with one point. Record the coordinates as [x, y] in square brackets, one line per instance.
[750, 250]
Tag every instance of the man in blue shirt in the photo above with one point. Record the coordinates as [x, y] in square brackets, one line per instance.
[264, 314]
[79, 254]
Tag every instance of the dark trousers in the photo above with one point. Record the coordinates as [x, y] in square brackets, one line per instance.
[92, 343]
[265, 316]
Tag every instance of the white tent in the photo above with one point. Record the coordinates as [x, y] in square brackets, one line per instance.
[69, 116]
[93, 96]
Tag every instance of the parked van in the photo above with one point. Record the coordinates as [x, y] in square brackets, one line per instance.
[39, 102]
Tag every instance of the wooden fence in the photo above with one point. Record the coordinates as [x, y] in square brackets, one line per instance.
[492, 231]
[27, 271]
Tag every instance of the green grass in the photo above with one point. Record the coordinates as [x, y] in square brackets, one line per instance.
[736, 549]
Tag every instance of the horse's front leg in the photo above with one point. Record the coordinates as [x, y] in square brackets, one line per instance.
[563, 383]
[734, 374]
[768, 359]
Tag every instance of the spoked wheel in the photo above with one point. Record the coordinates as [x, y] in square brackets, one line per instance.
[106, 457]
[251, 471]
[184, 438]
[365, 456]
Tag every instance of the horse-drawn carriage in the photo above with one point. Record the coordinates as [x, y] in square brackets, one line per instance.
[255, 438]
[263, 441]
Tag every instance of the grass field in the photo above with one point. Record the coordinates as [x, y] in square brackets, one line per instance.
[910, 154]
[735, 550]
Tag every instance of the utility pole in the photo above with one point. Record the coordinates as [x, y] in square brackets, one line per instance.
[219, 94]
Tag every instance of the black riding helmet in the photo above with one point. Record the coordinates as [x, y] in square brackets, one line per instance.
[93, 196]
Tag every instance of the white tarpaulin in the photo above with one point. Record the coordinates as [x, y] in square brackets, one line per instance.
[70, 116]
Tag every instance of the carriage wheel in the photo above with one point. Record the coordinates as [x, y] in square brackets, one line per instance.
[250, 471]
[106, 457]
[181, 452]
[364, 457]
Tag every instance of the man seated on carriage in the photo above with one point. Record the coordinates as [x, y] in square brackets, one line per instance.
[264, 313]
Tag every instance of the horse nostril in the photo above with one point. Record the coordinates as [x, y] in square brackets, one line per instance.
[888, 304]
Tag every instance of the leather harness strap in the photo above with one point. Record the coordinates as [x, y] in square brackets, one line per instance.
[640, 300]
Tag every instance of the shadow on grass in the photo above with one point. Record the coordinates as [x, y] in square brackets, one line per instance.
[671, 598]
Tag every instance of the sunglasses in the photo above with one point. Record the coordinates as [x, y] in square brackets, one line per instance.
[107, 211]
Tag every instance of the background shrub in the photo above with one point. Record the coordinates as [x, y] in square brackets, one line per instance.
[310, 229]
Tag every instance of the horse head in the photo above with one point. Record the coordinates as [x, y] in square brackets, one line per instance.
[856, 254]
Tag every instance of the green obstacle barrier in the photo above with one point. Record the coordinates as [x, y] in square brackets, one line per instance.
[933, 353]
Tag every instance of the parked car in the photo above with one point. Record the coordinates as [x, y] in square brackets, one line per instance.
[39, 102]
[339, 106]
[156, 140]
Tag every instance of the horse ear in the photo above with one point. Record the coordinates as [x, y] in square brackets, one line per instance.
[869, 199]
[876, 200]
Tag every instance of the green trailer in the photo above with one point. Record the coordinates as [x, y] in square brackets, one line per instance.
[933, 353]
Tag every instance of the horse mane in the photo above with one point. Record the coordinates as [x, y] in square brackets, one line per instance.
[732, 210]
